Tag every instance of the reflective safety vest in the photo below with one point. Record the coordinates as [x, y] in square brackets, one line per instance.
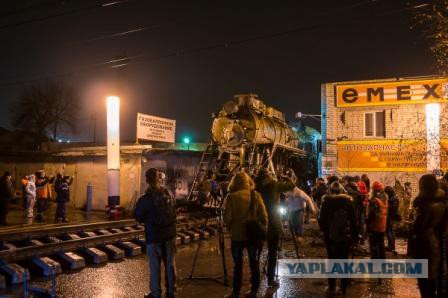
[43, 191]
[379, 222]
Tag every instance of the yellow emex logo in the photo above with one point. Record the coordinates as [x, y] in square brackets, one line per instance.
[392, 93]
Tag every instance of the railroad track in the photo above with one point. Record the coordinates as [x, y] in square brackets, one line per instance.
[51, 249]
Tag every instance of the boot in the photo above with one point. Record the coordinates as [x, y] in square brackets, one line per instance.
[250, 294]
[273, 283]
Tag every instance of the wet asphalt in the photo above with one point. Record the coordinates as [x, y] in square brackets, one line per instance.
[130, 277]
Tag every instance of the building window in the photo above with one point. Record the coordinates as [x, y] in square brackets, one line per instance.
[374, 124]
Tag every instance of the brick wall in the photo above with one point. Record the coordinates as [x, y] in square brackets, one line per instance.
[401, 122]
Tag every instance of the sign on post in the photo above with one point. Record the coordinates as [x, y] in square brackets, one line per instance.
[154, 128]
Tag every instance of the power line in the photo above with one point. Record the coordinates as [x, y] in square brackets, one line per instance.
[65, 13]
[123, 61]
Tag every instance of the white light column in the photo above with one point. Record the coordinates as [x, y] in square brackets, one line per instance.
[113, 150]
[432, 136]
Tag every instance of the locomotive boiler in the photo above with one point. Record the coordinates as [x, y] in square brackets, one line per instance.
[251, 135]
[248, 135]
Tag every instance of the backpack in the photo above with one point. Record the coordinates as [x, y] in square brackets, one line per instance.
[255, 230]
[164, 210]
[340, 227]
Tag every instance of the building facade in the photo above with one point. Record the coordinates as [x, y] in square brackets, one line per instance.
[88, 165]
[391, 129]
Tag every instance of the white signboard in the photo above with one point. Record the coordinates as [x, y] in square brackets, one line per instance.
[154, 128]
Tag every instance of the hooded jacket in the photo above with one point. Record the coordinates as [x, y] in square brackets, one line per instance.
[426, 232]
[270, 190]
[331, 205]
[393, 205]
[378, 210]
[236, 210]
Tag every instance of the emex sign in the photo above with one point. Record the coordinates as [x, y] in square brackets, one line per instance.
[392, 93]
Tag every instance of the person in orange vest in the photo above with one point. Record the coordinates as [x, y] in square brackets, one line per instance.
[376, 221]
[43, 194]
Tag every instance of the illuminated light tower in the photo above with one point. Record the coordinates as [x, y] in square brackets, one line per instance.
[113, 151]
[432, 137]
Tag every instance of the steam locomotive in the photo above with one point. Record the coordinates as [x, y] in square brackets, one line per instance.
[251, 135]
[248, 134]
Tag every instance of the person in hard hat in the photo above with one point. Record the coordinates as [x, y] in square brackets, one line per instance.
[377, 221]
[29, 191]
[43, 194]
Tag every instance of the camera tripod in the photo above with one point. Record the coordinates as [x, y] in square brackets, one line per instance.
[219, 216]
[296, 246]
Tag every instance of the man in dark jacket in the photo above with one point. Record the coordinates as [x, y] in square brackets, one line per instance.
[156, 209]
[392, 216]
[426, 234]
[337, 222]
[62, 188]
[320, 190]
[6, 195]
[270, 190]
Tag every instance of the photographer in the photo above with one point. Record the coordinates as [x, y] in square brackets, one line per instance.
[156, 209]
[244, 204]
[270, 190]
[62, 188]
[298, 202]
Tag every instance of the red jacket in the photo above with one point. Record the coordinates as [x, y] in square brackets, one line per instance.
[377, 218]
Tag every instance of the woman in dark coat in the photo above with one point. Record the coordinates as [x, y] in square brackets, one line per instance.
[426, 234]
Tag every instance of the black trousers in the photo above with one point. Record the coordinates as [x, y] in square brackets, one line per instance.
[42, 204]
[427, 287]
[337, 250]
[254, 264]
[4, 208]
[273, 241]
[61, 210]
[376, 242]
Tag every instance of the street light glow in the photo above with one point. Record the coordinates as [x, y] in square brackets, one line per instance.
[187, 140]
[113, 133]
[113, 150]
[432, 136]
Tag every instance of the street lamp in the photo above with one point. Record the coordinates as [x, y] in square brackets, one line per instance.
[187, 141]
[300, 115]
[113, 151]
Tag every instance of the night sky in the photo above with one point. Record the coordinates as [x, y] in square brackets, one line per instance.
[180, 67]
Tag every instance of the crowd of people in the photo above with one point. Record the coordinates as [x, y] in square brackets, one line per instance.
[37, 191]
[349, 210]
[353, 210]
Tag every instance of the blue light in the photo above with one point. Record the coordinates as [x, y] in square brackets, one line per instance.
[187, 140]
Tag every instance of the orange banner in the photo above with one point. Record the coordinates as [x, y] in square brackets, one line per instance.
[392, 93]
[444, 154]
[382, 156]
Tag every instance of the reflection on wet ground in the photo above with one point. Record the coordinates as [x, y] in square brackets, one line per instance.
[129, 278]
